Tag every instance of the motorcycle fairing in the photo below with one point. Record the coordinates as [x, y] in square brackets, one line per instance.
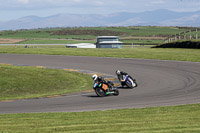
[95, 85]
[105, 87]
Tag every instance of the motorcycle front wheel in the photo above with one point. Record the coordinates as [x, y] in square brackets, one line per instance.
[100, 92]
[131, 83]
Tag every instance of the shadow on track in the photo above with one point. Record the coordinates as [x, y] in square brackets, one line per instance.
[121, 88]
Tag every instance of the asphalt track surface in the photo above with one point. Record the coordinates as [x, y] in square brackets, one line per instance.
[160, 83]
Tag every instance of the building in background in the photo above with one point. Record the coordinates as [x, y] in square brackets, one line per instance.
[108, 42]
[81, 45]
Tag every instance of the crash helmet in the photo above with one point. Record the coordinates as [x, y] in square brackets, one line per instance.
[94, 77]
[118, 72]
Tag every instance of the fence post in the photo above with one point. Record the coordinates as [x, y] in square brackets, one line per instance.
[196, 34]
[179, 36]
[184, 36]
[190, 35]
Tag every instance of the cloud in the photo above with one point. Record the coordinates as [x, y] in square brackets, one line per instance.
[99, 3]
[78, 1]
[157, 1]
[23, 1]
[125, 5]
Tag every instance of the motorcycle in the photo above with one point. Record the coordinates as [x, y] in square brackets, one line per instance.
[102, 89]
[128, 81]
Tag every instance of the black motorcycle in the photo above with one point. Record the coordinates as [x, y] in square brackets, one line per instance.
[102, 89]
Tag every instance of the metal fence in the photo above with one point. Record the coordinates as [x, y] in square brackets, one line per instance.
[186, 35]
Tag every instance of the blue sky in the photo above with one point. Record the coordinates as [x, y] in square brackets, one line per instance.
[13, 9]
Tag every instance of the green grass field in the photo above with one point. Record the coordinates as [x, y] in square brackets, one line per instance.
[61, 41]
[177, 119]
[126, 31]
[137, 41]
[19, 82]
[135, 52]
[37, 36]
[53, 41]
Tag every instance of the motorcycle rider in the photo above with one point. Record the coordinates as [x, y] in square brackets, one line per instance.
[101, 80]
[97, 78]
[120, 75]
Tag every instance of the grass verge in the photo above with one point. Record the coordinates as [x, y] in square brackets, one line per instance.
[46, 41]
[183, 119]
[19, 82]
[177, 54]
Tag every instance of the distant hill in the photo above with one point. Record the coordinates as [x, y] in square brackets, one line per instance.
[152, 18]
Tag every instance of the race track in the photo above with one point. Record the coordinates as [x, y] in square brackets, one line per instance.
[160, 83]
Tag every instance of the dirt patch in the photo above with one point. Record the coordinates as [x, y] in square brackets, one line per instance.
[10, 41]
[89, 32]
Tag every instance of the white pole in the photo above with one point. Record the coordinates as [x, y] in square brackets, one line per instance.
[184, 36]
[196, 34]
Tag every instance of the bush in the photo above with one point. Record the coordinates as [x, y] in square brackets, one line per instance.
[184, 44]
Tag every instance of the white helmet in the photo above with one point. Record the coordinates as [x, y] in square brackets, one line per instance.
[118, 72]
[94, 77]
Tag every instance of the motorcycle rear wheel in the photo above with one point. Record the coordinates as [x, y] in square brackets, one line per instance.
[116, 92]
[100, 92]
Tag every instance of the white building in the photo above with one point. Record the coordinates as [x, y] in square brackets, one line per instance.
[81, 45]
[108, 42]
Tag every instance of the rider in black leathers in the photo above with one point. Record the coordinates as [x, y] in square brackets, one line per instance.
[101, 80]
